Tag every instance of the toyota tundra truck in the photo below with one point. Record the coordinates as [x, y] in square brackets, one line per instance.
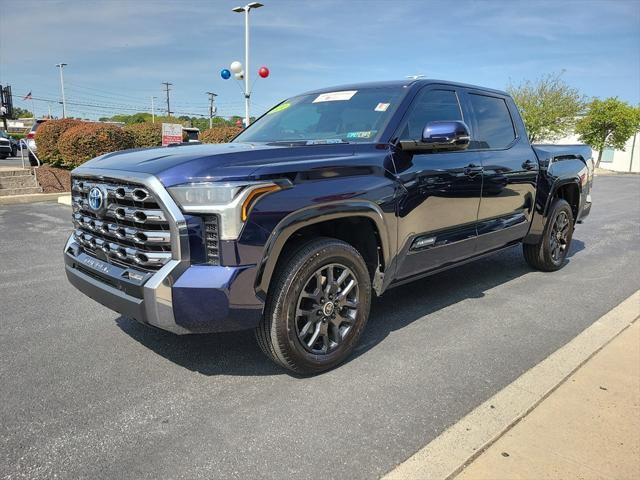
[328, 199]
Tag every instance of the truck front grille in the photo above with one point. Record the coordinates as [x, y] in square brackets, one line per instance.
[130, 228]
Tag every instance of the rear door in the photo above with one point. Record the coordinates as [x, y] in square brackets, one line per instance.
[509, 169]
[438, 211]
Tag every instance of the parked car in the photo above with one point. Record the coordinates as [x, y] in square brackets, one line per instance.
[31, 141]
[191, 133]
[330, 198]
[8, 146]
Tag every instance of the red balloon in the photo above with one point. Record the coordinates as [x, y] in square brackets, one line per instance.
[263, 72]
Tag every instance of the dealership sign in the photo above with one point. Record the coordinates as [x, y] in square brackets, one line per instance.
[171, 133]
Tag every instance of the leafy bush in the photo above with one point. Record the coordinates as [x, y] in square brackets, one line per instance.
[47, 137]
[222, 134]
[145, 134]
[88, 140]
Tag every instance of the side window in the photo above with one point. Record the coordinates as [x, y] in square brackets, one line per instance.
[430, 106]
[494, 124]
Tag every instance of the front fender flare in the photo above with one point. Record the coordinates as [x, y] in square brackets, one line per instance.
[309, 216]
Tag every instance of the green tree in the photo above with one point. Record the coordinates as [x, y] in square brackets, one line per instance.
[608, 123]
[548, 105]
[21, 113]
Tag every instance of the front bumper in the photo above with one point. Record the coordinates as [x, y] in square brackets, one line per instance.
[180, 297]
[198, 299]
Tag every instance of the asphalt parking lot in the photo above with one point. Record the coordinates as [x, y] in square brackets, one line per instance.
[14, 161]
[85, 393]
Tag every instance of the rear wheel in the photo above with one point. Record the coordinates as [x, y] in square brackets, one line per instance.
[317, 307]
[550, 253]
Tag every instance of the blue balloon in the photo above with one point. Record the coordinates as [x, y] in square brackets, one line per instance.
[226, 74]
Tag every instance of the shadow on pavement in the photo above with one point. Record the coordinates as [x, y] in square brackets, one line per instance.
[237, 353]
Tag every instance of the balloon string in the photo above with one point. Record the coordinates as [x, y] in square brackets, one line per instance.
[252, 85]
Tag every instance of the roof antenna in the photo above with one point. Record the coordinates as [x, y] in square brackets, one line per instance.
[415, 77]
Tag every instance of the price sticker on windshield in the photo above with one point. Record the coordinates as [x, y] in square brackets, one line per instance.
[335, 96]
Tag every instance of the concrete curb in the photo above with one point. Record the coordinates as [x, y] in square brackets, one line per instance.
[446, 455]
[64, 198]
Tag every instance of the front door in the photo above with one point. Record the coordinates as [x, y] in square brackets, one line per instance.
[438, 208]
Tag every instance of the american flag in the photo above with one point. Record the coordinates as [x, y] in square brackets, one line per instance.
[27, 97]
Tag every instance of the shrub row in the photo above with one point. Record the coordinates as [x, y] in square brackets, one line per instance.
[220, 134]
[72, 142]
[88, 140]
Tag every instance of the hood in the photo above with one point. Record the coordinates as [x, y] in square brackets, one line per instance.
[199, 162]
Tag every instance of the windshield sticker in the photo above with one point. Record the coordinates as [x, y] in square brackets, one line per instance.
[366, 134]
[323, 141]
[382, 107]
[335, 96]
[279, 108]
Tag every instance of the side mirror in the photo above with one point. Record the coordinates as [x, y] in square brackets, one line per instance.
[447, 135]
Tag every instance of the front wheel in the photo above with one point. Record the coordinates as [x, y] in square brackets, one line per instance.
[317, 307]
[550, 253]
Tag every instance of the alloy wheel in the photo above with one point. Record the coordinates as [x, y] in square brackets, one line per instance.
[327, 308]
[558, 239]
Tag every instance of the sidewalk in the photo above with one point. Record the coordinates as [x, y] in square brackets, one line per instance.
[588, 428]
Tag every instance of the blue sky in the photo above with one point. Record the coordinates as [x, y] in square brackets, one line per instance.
[119, 52]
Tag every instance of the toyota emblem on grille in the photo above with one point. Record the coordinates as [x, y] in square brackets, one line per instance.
[96, 199]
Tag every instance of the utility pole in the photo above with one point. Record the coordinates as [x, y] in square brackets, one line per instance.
[64, 102]
[212, 111]
[153, 110]
[166, 87]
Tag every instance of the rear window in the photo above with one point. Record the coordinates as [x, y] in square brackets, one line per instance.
[494, 124]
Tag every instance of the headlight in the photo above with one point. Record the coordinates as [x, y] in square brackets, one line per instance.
[231, 200]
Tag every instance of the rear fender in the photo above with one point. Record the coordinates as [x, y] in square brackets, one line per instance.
[560, 172]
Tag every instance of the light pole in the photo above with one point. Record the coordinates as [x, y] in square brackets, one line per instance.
[64, 102]
[247, 93]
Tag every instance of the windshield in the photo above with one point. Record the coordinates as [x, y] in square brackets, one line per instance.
[333, 117]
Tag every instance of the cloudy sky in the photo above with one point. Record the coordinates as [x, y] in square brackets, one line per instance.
[119, 52]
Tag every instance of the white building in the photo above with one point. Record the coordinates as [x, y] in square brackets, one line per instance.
[627, 160]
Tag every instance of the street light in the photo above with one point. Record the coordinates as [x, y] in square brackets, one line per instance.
[64, 103]
[247, 93]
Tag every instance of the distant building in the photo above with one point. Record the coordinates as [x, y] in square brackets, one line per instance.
[627, 160]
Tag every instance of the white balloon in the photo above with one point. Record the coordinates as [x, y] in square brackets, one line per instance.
[236, 67]
[239, 75]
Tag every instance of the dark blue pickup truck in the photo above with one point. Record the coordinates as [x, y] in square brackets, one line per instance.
[329, 198]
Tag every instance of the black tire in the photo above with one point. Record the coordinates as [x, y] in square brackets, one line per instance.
[32, 160]
[550, 253]
[293, 314]
[4, 155]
